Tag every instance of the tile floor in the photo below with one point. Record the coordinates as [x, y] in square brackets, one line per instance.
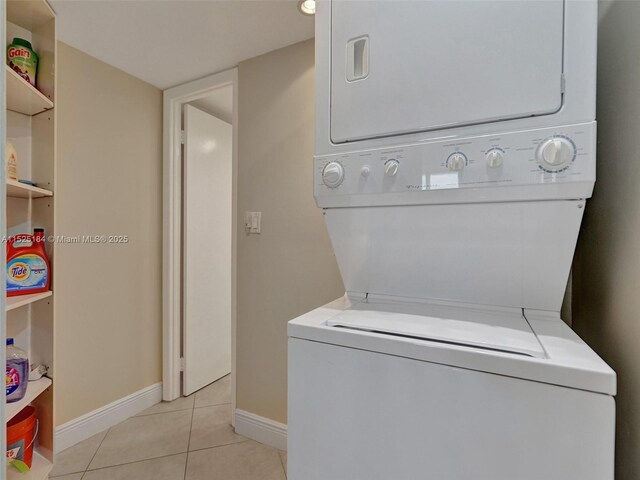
[188, 439]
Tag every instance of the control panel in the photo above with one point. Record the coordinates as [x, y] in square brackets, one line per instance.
[533, 164]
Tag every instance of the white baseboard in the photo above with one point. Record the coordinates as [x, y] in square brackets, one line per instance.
[81, 428]
[261, 429]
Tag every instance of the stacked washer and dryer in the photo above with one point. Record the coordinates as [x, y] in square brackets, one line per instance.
[455, 149]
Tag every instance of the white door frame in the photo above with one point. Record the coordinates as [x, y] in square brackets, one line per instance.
[174, 98]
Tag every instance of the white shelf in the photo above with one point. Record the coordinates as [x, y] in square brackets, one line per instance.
[40, 468]
[34, 389]
[22, 190]
[22, 300]
[22, 97]
[29, 14]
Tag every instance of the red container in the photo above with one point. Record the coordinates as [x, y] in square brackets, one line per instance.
[28, 268]
[21, 435]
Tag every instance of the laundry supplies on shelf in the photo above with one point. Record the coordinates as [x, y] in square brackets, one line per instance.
[16, 373]
[28, 269]
[11, 162]
[22, 431]
[23, 60]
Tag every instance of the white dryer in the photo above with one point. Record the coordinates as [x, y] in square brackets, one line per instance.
[455, 151]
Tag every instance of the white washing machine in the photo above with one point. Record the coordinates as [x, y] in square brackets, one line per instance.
[455, 148]
[382, 389]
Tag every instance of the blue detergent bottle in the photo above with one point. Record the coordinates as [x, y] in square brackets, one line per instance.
[17, 375]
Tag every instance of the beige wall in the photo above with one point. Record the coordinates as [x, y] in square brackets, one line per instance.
[606, 301]
[289, 268]
[108, 181]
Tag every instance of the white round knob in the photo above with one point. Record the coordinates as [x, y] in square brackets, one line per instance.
[365, 171]
[555, 152]
[456, 162]
[391, 168]
[494, 158]
[333, 174]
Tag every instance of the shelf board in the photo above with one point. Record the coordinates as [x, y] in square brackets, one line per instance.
[34, 389]
[40, 468]
[29, 14]
[22, 190]
[22, 300]
[22, 97]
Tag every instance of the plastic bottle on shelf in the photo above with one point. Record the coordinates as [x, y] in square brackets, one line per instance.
[11, 162]
[23, 60]
[17, 373]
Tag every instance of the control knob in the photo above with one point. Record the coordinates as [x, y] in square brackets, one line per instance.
[555, 152]
[332, 174]
[494, 158]
[456, 161]
[391, 168]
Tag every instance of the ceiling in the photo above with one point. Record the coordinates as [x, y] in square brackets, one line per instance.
[169, 42]
[218, 103]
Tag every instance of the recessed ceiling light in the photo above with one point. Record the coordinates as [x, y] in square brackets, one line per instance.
[307, 7]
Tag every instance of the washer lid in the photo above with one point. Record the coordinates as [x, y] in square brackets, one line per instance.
[567, 361]
[502, 330]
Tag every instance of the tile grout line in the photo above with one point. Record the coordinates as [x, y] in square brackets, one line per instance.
[140, 415]
[156, 458]
[180, 410]
[214, 405]
[95, 453]
[223, 445]
[286, 476]
[186, 462]
[128, 463]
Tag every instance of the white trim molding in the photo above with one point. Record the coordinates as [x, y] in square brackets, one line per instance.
[81, 428]
[261, 429]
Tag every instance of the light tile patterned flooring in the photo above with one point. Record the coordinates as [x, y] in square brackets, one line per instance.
[188, 439]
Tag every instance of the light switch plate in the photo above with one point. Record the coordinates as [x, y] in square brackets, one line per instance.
[252, 222]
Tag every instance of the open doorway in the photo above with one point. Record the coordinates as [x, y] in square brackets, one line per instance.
[206, 246]
[199, 234]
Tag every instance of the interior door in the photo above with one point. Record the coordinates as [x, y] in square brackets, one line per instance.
[409, 66]
[206, 249]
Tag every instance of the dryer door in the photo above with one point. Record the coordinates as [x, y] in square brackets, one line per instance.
[409, 66]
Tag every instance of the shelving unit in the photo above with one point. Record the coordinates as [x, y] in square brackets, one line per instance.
[30, 15]
[22, 300]
[23, 97]
[34, 389]
[30, 121]
[39, 470]
[22, 190]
